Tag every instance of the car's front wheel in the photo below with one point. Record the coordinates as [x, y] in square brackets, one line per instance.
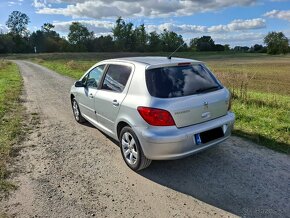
[76, 111]
[131, 150]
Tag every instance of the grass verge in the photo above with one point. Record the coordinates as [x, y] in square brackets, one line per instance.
[71, 68]
[260, 85]
[265, 119]
[10, 116]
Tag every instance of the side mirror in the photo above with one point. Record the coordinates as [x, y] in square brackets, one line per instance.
[79, 84]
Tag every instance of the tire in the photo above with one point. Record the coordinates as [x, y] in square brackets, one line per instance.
[131, 150]
[76, 111]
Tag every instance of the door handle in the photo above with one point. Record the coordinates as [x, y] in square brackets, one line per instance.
[115, 103]
[91, 95]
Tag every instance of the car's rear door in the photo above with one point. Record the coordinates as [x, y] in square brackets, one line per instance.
[112, 93]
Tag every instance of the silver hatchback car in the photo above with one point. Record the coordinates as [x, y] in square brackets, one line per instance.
[157, 108]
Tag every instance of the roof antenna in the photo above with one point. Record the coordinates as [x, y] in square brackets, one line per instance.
[169, 57]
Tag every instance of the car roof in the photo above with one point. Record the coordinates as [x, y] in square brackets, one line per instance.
[154, 60]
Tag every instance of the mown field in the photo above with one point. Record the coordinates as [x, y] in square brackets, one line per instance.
[10, 116]
[260, 86]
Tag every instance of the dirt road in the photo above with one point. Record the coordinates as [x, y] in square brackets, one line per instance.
[65, 169]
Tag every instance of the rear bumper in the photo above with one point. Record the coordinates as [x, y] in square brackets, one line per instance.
[166, 143]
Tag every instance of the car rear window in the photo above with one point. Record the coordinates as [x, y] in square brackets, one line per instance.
[178, 81]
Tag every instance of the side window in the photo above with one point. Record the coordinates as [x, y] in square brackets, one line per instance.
[94, 76]
[116, 78]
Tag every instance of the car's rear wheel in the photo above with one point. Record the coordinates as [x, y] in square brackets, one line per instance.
[131, 150]
[76, 111]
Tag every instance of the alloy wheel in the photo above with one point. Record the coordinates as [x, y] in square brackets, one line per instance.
[129, 148]
[76, 110]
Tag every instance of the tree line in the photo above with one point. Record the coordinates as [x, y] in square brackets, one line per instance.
[125, 37]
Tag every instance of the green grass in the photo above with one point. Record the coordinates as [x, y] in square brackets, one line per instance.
[265, 119]
[260, 85]
[71, 68]
[10, 116]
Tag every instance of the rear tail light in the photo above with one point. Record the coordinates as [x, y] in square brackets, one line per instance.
[156, 117]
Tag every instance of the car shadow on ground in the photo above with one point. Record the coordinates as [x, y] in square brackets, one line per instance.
[88, 124]
[244, 179]
[229, 178]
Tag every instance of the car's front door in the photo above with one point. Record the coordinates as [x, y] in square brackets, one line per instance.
[112, 93]
[86, 97]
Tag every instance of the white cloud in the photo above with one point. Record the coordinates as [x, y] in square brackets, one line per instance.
[235, 25]
[106, 26]
[131, 8]
[257, 23]
[3, 29]
[99, 27]
[13, 3]
[284, 15]
[239, 39]
[39, 4]
[234, 33]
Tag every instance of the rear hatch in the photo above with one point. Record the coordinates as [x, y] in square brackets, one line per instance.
[189, 92]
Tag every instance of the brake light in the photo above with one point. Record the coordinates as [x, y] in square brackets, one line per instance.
[156, 117]
[184, 64]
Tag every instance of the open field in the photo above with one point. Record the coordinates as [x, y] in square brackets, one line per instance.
[10, 115]
[260, 85]
[265, 73]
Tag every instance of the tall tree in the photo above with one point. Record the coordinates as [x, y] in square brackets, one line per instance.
[171, 41]
[17, 23]
[79, 36]
[47, 27]
[277, 43]
[7, 45]
[258, 48]
[141, 38]
[204, 43]
[103, 44]
[227, 47]
[154, 42]
[124, 36]
[46, 39]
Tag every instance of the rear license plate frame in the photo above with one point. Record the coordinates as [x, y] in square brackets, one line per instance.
[208, 136]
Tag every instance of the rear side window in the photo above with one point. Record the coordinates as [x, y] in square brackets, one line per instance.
[116, 78]
[178, 81]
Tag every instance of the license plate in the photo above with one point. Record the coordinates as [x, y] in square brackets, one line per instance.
[197, 139]
[208, 136]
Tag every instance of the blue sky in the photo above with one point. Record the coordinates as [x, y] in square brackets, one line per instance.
[245, 22]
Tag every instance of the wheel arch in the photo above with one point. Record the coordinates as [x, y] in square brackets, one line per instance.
[72, 96]
[120, 126]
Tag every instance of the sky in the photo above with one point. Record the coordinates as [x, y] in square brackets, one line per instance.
[243, 22]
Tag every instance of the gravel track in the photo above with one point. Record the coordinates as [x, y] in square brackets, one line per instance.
[65, 169]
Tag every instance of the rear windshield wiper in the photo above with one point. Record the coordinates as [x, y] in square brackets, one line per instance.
[208, 89]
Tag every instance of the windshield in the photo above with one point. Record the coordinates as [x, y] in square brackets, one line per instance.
[178, 81]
